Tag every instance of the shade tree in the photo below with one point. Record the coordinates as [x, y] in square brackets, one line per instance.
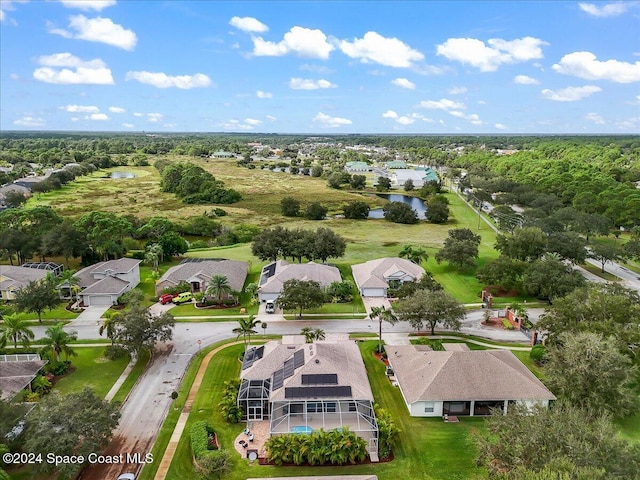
[300, 295]
[430, 308]
[460, 249]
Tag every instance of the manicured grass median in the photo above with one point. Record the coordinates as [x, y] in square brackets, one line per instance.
[132, 378]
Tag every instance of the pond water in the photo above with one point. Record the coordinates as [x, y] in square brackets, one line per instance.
[414, 202]
[123, 175]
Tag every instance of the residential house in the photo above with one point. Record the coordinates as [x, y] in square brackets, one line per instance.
[14, 278]
[17, 371]
[300, 387]
[275, 274]
[419, 177]
[373, 278]
[463, 382]
[197, 272]
[102, 283]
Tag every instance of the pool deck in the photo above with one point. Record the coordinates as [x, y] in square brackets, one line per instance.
[260, 430]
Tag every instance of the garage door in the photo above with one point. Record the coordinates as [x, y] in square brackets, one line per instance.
[94, 300]
[374, 292]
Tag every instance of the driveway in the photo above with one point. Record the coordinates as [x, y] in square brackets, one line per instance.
[375, 302]
[90, 316]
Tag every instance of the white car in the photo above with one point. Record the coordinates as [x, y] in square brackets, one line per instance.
[127, 476]
[270, 307]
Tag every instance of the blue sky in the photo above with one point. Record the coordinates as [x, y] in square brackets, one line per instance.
[320, 67]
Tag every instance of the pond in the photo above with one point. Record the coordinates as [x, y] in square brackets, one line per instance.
[123, 175]
[414, 202]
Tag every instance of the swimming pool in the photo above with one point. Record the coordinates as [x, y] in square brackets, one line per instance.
[301, 429]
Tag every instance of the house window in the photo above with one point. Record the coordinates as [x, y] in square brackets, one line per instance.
[314, 407]
[428, 407]
[330, 407]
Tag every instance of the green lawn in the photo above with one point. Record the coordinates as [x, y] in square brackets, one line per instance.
[425, 450]
[92, 370]
[58, 313]
[630, 428]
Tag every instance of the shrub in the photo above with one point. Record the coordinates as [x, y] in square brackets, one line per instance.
[229, 408]
[506, 324]
[317, 448]
[388, 433]
[31, 397]
[538, 353]
[199, 436]
[174, 395]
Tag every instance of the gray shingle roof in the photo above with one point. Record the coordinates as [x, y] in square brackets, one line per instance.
[460, 375]
[340, 357]
[121, 265]
[14, 376]
[108, 285]
[372, 274]
[325, 275]
[236, 272]
[19, 277]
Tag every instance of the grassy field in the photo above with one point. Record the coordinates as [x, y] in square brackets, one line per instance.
[58, 313]
[425, 450]
[262, 192]
[92, 370]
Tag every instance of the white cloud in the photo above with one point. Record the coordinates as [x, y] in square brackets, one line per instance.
[331, 122]
[97, 116]
[127, 125]
[261, 94]
[162, 80]
[403, 83]
[373, 47]
[236, 125]
[405, 120]
[138, 114]
[248, 24]
[88, 4]
[570, 94]
[252, 121]
[608, 10]
[389, 114]
[595, 118]
[525, 80]
[585, 65]
[98, 29]
[309, 84]
[457, 90]
[472, 117]
[117, 110]
[489, 57]
[28, 121]
[79, 72]
[442, 104]
[303, 42]
[81, 109]
[500, 126]
[271, 117]
[321, 69]
[154, 117]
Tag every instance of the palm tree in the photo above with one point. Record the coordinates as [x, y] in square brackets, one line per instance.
[381, 313]
[218, 287]
[109, 326]
[67, 276]
[312, 334]
[153, 255]
[57, 342]
[14, 328]
[246, 328]
[416, 255]
[41, 385]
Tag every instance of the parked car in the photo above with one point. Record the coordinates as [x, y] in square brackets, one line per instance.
[271, 307]
[183, 297]
[166, 298]
[127, 476]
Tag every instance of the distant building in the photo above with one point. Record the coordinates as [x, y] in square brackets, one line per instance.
[418, 177]
[357, 167]
[222, 154]
[395, 164]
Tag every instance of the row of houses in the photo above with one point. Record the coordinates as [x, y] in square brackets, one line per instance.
[297, 388]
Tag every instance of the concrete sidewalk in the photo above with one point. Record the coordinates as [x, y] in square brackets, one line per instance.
[123, 376]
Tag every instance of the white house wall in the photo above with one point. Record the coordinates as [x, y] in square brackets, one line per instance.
[416, 409]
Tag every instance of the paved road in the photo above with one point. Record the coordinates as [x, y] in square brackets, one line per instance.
[150, 399]
[629, 278]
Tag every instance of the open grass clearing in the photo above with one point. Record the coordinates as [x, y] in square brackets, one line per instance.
[93, 370]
